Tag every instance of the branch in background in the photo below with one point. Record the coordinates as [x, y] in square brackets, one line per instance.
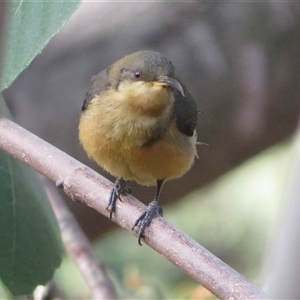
[78, 247]
[85, 185]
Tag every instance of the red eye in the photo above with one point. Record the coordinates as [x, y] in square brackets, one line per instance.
[137, 74]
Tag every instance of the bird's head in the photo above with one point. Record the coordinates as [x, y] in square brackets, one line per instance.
[145, 67]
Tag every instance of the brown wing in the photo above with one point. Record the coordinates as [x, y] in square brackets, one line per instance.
[97, 84]
[185, 112]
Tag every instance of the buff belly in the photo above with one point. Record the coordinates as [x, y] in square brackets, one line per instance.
[169, 157]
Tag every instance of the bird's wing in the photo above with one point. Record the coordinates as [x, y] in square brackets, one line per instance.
[97, 84]
[185, 113]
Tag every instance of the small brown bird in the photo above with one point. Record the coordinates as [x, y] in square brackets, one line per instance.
[138, 122]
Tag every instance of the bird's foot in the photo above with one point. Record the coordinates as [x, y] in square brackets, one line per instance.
[153, 210]
[119, 189]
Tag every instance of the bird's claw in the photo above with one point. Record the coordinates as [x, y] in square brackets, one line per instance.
[144, 220]
[119, 188]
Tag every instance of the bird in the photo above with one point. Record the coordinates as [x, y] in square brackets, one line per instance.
[138, 122]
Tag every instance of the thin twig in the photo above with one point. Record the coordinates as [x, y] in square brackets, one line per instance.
[79, 248]
[85, 185]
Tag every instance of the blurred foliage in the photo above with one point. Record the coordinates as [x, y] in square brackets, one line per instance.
[233, 217]
[30, 248]
[29, 28]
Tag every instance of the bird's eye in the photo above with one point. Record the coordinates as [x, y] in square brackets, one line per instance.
[137, 74]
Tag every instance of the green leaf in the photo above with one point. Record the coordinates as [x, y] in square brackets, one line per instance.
[30, 242]
[30, 25]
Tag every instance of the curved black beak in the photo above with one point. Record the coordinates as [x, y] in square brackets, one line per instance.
[168, 81]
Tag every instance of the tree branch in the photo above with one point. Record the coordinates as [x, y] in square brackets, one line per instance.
[85, 185]
[80, 250]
